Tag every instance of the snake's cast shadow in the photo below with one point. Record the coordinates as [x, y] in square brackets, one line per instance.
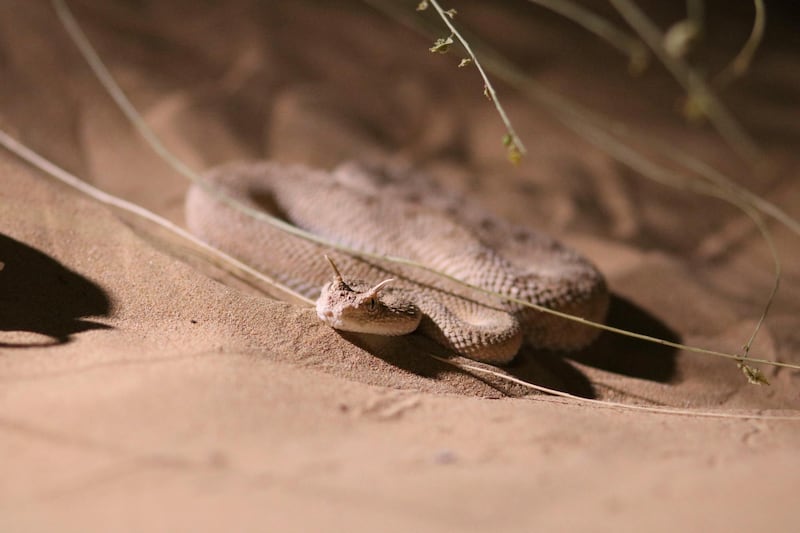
[555, 370]
[40, 295]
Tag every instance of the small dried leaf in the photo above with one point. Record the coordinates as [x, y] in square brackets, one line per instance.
[679, 39]
[513, 153]
[464, 62]
[486, 93]
[753, 375]
[507, 140]
[422, 6]
[451, 13]
[442, 45]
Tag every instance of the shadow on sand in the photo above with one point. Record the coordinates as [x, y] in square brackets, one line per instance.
[40, 295]
[554, 370]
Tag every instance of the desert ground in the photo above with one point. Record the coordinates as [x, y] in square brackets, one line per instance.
[146, 388]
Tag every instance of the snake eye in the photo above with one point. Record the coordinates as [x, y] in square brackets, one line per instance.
[372, 304]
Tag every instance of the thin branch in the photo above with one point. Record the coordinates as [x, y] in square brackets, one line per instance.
[595, 129]
[742, 61]
[65, 177]
[608, 404]
[636, 51]
[110, 200]
[570, 114]
[512, 141]
[693, 83]
[110, 84]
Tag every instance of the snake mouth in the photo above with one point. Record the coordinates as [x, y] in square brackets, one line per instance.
[341, 322]
[337, 321]
[329, 318]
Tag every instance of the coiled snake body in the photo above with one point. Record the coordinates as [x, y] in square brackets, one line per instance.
[347, 207]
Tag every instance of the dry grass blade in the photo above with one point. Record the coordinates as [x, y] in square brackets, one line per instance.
[107, 80]
[222, 259]
[48, 167]
[614, 405]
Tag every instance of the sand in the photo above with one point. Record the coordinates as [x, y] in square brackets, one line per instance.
[144, 389]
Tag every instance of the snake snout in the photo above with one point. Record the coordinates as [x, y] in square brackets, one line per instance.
[327, 315]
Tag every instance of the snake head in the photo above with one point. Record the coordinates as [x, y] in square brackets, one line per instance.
[362, 308]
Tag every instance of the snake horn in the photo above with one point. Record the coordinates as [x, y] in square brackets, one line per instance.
[374, 290]
[337, 277]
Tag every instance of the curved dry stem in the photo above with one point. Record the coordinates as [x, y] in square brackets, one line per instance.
[110, 200]
[597, 129]
[571, 113]
[767, 236]
[110, 84]
[638, 55]
[612, 405]
[512, 140]
[692, 82]
[716, 186]
[741, 62]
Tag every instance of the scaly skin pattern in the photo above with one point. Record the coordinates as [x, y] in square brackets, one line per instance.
[348, 207]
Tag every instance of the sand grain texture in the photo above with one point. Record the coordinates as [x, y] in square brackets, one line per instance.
[142, 389]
